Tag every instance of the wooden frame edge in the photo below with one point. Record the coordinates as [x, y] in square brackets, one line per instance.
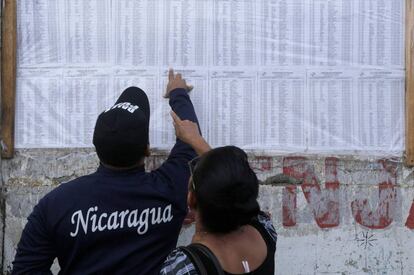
[8, 77]
[409, 95]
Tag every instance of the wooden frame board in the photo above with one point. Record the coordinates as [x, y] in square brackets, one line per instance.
[409, 98]
[8, 77]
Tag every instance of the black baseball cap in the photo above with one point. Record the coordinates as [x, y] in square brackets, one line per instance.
[121, 133]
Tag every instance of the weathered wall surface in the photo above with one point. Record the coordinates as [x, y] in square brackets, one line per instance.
[348, 216]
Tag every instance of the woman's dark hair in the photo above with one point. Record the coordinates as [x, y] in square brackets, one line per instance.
[226, 189]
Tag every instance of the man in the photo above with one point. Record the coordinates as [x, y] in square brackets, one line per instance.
[120, 219]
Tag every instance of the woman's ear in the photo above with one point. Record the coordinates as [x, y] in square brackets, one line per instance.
[191, 200]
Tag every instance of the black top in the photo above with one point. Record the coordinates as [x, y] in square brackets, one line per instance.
[111, 222]
[268, 266]
[179, 263]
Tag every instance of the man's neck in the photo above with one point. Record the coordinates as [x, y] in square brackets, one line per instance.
[116, 168]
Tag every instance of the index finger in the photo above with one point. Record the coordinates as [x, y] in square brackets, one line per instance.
[175, 118]
[171, 74]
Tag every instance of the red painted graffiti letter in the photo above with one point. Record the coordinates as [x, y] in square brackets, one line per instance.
[383, 215]
[410, 220]
[324, 203]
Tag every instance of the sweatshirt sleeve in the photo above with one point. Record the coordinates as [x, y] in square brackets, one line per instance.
[175, 169]
[35, 251]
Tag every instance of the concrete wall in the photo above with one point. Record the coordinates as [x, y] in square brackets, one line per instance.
[349, 215]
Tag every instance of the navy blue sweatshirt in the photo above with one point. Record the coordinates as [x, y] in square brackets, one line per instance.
[111, 222]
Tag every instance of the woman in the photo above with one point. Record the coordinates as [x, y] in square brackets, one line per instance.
[223, 196]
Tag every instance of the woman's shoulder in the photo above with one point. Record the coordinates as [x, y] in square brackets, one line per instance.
[178, 263]
[265, 221]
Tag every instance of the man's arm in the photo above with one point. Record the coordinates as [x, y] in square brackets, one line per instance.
[183, 113]
[35, 251]
[189, 141]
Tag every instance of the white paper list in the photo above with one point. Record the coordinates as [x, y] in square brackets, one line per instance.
[331, 116]
[380, 110]
[87, 31]
[232, 101]
[39, 103]
[184, 32]
[136, 23]
[282, 32]
[330, 32]
[281, 105]
[268, 75]
[380, 33]
[233, 33]
[39, 34]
